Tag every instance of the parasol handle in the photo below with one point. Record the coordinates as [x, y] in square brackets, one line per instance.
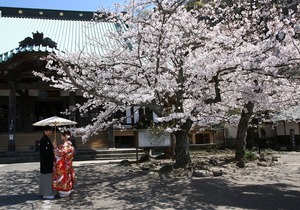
[54, 141]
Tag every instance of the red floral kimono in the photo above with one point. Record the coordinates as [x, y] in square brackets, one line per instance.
[63, 172]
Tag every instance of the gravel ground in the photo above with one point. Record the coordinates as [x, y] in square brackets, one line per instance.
[102, 185]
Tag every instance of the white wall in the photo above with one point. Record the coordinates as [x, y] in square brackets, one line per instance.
[231, 131]
[288, 126]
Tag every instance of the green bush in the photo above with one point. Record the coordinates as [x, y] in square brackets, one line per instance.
[250, 155]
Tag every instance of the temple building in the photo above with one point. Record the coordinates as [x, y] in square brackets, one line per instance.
[27, 35]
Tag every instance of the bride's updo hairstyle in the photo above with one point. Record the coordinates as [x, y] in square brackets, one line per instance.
[67, 134]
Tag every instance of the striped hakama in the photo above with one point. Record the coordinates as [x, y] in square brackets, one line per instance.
[45, 185]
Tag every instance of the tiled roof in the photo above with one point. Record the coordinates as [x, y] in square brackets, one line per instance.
[70, 35]
[5, 56]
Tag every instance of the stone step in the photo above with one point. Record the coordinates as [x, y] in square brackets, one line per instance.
[8, 160]
[109, 154]
[18, 154]
[116, 156]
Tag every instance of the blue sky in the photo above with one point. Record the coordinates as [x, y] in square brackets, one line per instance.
[81, 5]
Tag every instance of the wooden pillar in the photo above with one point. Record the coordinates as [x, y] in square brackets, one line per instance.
[193, 138]
[130, 116]
[111, 137]
[284, 127]
[212, 137]
[12, 118]
[72, 102]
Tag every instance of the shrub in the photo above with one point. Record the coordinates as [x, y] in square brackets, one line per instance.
[250, 155]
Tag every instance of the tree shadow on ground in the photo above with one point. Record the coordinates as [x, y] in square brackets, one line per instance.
[100, 186]
[19, 188]
[6, 200]
[121, 187]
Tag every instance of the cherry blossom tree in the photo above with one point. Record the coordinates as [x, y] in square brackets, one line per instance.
[264, 36]
[190, 67]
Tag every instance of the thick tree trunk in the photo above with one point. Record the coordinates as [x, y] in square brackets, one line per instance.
[242, 131]
[182, 148]
[251, 137]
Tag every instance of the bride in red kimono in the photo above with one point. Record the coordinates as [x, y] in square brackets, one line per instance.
[63, 172]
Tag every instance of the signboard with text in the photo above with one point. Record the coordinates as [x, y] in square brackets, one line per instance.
[147, 138]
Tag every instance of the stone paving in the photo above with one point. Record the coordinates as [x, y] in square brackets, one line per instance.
[103, 185]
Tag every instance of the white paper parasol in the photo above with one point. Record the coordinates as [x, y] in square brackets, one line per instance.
[54, 121]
